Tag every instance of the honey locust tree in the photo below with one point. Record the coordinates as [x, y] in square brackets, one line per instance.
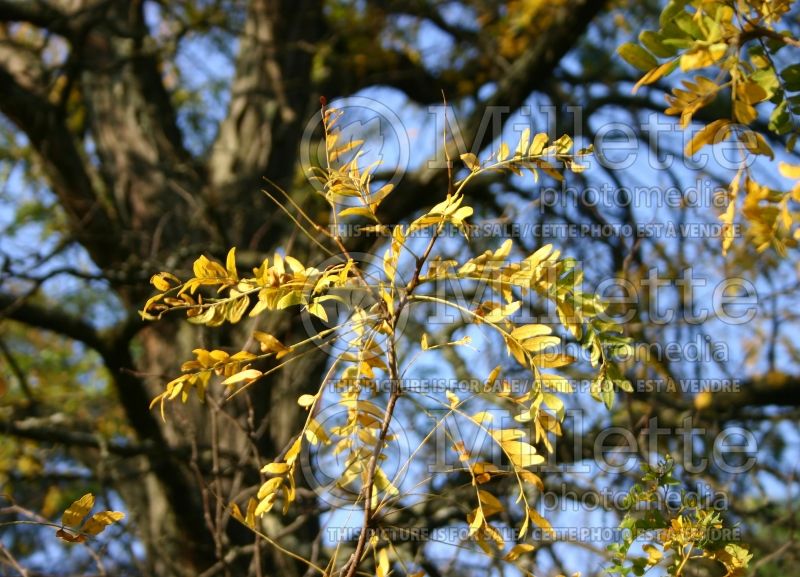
[136, 136]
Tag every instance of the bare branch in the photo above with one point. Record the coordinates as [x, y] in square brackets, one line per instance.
[38, 430]
[46, 128]
[529, 73]
[54, 320]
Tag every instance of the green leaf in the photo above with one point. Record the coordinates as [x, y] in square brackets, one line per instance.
[291, 299]
[779, 120]
[767, 80]
[791, 77]
[671, 10]
[637, 56]
[654, 42]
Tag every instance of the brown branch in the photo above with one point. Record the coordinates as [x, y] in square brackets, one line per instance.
[530, 72]
[39, 430]
[391, 68]
[59, 322]
[776, 390]
[111, 345]
[45, 126]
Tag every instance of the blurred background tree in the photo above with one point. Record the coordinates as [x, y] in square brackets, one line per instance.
[136, 135]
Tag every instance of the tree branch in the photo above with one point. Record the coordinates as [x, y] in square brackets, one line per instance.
[46, 128]
[21, 310]
[36, 430]
[529, 73]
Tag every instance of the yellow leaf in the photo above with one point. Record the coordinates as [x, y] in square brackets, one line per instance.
[538, 144]
[743, 112]
[476, 523]
[161, 281]
[383, 483]
[530, 331]
[306, 400]
[517, 550]
[499, 313]
[316, 309]
[789, 170]
[552, 360]
[290, 299]
[294, 451]
[710, 134]
[522, 454]
[265, 505]
[495, 535]
[270, 487]
[556, 382]
[563, 144]
[542, 523]
[524, 142]
[756, 144]
[702, 56]
[483, 417]
[729, 215]
[516, 351]
[357, 211]
[250, 516]
[493, 376]
[489, 503]
[458, 216]
[655, 74]
[246, 375]
[503, 153]
[382, 569]
[236, 309]
[294, 264]
[236, 512]
[654, 554]
[534, 480]
[315, 433]
[99, 521]
[536, 344]
[503, 435]
[75, 513]
[452, 398]
[269, 344]
[275, 468]
[230, 264]
[352, 144]
[471, 161]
